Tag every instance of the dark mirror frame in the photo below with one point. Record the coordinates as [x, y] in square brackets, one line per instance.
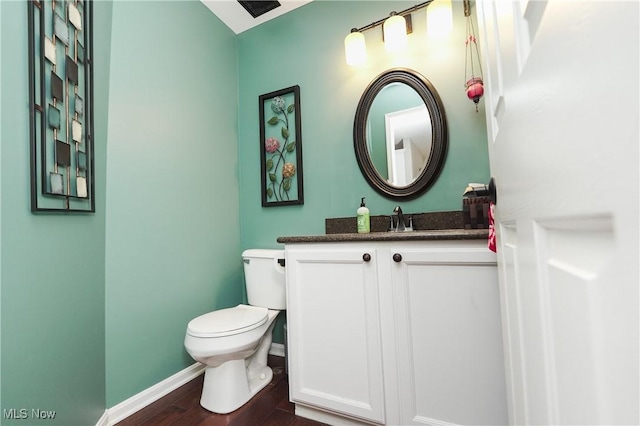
[439, 133]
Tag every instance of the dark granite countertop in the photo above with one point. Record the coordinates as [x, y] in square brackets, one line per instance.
[425, 235]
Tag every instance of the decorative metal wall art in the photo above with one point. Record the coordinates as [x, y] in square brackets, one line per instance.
[61, 105]
[281, 147]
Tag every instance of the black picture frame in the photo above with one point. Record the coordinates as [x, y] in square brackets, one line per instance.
[281, 148]
[60, 43]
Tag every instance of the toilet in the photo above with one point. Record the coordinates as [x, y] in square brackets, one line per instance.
[233, 343]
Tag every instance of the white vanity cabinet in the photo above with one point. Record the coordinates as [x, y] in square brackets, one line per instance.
[395, 332]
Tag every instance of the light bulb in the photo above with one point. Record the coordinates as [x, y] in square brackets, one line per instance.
[395, 33]
[439, 18]
[355, 48]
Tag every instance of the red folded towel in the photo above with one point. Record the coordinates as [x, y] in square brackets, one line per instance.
[492, 229]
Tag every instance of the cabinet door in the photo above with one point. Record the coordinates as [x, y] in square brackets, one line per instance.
[450, 355]
[334, 331]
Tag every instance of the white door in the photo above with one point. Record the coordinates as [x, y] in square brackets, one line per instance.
[561, 98]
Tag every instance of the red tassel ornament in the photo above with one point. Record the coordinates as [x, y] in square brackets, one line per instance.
[474, 85]
[475, 89]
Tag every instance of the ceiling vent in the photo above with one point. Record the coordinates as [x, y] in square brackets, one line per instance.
[259, 7]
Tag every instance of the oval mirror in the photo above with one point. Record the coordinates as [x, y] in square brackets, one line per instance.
[400, 134]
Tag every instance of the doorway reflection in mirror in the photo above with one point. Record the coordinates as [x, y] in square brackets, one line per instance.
[399, 134]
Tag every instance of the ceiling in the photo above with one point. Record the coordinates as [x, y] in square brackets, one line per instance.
[238, 19]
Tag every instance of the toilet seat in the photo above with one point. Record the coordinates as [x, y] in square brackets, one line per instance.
[227, 322]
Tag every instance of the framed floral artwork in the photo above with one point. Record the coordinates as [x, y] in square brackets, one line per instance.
[281, 148]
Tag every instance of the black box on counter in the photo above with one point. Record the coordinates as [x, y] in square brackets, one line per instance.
[475, 211]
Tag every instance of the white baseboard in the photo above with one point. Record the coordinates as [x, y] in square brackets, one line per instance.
[328, 418]
[277, 349]
[152, 394]
[104, 419]
[137, 402]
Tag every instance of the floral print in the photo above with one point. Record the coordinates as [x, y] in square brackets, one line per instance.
[288, 170]
[271, 145]
[279, 171]
[278, 104]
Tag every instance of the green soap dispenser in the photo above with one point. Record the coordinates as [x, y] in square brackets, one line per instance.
[362, 216]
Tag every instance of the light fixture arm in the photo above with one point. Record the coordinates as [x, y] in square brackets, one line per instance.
[401, 13]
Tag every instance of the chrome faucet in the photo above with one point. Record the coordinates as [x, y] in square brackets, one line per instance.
[400, 225]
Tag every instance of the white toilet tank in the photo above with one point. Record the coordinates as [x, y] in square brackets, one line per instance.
[264, 278]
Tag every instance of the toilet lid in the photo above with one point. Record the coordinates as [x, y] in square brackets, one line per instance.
[225, 322]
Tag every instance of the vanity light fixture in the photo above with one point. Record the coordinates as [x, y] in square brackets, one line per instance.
[396, 27]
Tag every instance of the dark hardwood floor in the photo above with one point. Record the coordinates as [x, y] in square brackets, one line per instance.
[270, 407]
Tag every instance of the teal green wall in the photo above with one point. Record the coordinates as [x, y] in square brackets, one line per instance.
[306, 47]
[52, 276]
[173, 239]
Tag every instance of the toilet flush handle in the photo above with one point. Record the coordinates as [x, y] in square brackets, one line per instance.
[279, 264]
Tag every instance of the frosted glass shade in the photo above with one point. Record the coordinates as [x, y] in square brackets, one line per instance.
[355, 49]
[439, 18]
[395, 33]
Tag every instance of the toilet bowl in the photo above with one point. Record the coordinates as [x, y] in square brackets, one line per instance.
[233, 343]
[235, 360]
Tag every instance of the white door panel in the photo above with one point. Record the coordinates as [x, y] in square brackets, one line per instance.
[510, 302]
[575, 256]
[562, 116]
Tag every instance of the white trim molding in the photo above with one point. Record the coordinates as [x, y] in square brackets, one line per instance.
[104, 419]
[277, 349]
[139, 401]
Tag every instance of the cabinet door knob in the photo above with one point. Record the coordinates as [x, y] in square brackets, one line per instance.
[366, 257]
[397, 257]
